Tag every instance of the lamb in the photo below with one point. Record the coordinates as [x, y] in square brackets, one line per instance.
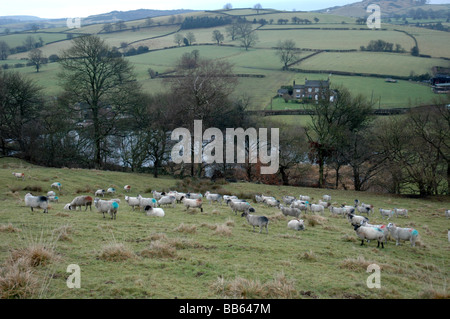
[356, 219]
[401, 212]
[386, 213]
[81, 201]
[338, 210]
[106, 206]
[99, 192]
[144, 201]
[261, 221]
[19, 175]
[296, 224]
[56, 185]
[167, 200]
[213, 198]
[111, 190]
[304, 197]
[36, 202]
[316, 208]
[158, 195]
[132, 201]
[289, 211]
[127, 188]
[239, 206]
[370, 233]
[158, 212]
[192, 203]
[399, 233]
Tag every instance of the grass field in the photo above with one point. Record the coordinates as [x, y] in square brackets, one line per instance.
[203, 255]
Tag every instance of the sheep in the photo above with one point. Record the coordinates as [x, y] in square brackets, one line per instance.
[304, 197]
[239, 206]
[272, 202]
[399, 233]
[117, 200]
[337, 210]
[81, 201]
[261, 221]
[370, 233]
[36, 202]
[56, 185]
[99, 192]
[326, 198]
[382, 227]
[296, 224]
[288, 211]
[106, 206]
[324, 204]
[302, 205]
[348, 209]
[288, 200]
[158, 195]
[158, 212]
[127, 188]
[145, 201]
[111, 190]
[227, 198]
[194, 196]
[386, 213]
[67, 206]
[401, 212]
[363, 209]
[19, 175]
[447, 213]
[213, 198]
[258, 198]
[51, 193]
[167, 200]
[316, 208]
[132, 201]
[356, 219]
[194, 203]
[179, 195]
[54, 199]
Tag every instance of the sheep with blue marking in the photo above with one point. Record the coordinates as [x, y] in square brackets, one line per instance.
[399, 233]
[106, 206]
[370, 233]
[256, 221]
[194, 196]
[302, 205]
[239, 206]
[167, 200]
[145, 201]
[111, 190]
[213, 198]
[36, 202]
[100, 192]
[56, 185]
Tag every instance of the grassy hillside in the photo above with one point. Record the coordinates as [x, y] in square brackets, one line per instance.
[204, 255]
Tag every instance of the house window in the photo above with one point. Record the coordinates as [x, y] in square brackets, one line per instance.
[298, 90]
[309, 90]
[297, 96]
[317, 90]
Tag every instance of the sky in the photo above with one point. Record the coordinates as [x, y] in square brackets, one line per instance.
[82, 8]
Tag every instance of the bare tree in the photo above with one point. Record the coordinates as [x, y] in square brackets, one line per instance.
[287, 52]
[37, 58]
[190, 37]
[246, 35]
[228, 6]
[218, 37]
[178, 39]
[257, 7]
[4, 50]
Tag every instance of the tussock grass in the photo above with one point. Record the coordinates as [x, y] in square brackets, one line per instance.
[9, 228]
[18, 280]
[160, 249]
[183, 228]
[116, 252]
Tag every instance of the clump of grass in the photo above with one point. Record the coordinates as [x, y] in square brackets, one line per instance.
[160, 249]
[63, 232]
[9, 228]
[18, 280]
[222, 230]
[309, 255]
[116, 252]
[355, 263]
[34, 255]
[314, 220]
[86, 190]
[183, 228]
[434, 294]
[278, 287]
[33, 188]
[62, 214]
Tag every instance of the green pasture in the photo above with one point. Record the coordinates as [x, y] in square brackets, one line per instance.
[198, 255]
[14, 40]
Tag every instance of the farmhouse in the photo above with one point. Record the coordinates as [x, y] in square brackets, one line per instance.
[314, 90]
[441, 83]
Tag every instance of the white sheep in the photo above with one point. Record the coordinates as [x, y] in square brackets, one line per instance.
[239, 206]
[302, 205]
[179, 195]
[36, 202]
[314, 208]
[258, 198]
[356, 219]
[261, 221]
[370, 233]
[227, 198]
[363, 209]
[213, 198]
[127, 188]
[324, 204]
[99, 192]
[296, 224]
[272, 202]
[304, 197]
[386, 213]
[194, 196]
[338, 211]
[288, 200]
[447, 213]
[111, 190]
[289, 211]
[53, 199]
[326, 198]
[67, 206]
[400, 212]
[192, 203]
[83, 200]
[19, 175]
[145, 201]
[399, 233]
[106, 206]
[167, 200]
[348, 209]
[132, 201]
[51, 193]
[56, 185]
[158, 212]
[158, 195]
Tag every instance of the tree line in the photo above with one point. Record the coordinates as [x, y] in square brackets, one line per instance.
[103, 119]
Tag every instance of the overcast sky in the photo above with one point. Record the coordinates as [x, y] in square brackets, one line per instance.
[84, 8]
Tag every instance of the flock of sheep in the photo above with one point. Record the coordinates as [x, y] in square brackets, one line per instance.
[291, 207]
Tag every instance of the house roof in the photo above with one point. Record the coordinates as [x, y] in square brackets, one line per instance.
[313, 84]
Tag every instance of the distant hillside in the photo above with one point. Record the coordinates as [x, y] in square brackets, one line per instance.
[17, 19]
[131, 15]
[388, 7]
